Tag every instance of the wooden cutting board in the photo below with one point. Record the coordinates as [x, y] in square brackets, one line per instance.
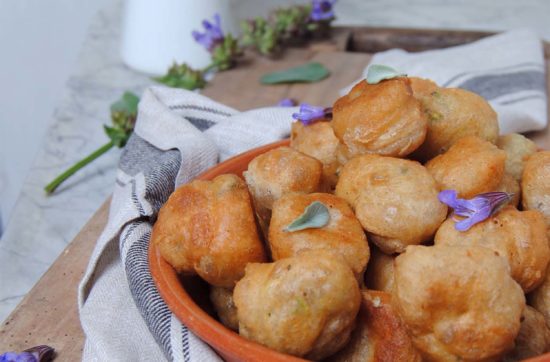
[49, 315]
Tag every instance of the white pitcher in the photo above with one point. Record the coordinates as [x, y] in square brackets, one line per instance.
[157, 33]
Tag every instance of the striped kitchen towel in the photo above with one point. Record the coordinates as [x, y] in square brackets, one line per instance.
[178, 135]
[506, 69]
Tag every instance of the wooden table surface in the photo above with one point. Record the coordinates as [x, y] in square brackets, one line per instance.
[49, 315]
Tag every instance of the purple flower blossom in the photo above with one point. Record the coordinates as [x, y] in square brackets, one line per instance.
[18, 357]
[287, 102]
[213, 34]
[475, 209]
[309, 113]
[41, 353]
[322, 10]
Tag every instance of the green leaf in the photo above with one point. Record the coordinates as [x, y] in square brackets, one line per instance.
[378, 72]
[310, 72]
[225, 55]
[182, 76]
[118, 136]
[316, 215]
[127, 104]
[292, 22]
[260, 35]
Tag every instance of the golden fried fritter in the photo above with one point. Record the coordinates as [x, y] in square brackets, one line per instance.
[278, 172]
[533, 338]
[318, 141]
[379, 274]
[379, 335]
[422, 88]
[383, 118]
[540, 298]
[394, 199]
[458, 303]
[195, 233]
[518, 149]
[342, 235]
[304, 305]
[510, 185]
[517, 236]
[452, 114]
[535, 184]
[471, 166]
[222, 300]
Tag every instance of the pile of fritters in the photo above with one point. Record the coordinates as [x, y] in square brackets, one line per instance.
[388, 277]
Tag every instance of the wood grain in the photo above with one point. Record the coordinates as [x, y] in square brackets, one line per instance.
[49, 315]
[372, 40]
[240, 88]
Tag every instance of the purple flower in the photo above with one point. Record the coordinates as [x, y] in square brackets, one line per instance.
[287, 102]
[18, 357]
[322, 10]
[35, 354]
[213, 34]
[476, 209]
[309, 113]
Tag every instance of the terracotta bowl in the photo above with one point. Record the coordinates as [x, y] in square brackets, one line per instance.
[187, 297]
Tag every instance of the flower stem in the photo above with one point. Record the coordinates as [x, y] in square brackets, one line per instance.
[77, 166]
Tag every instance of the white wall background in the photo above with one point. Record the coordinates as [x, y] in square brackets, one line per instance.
[39, 41]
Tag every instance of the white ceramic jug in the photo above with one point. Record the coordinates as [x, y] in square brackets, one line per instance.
[157, 33]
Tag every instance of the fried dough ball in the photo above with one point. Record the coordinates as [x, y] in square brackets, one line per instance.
[195, 233]
[343, 233]
[318, 141]
[471, 166]
[452, 114]
[278, 172]
[518, 236]
[458, 303]
[304, 305]
[540, 298]
[533, 338]
[222, 300]
[379, 274]
[535, 184]
[379, 334]
[394, 199]
[381, 118]
[510, 185]
[518, 149]
[422, 88]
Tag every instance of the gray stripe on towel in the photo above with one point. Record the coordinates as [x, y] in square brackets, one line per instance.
[199, 108]
[494, 86]
[146, 296]
[159, 167]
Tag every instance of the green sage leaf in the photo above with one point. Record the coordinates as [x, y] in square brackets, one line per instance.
[378, 72]
[127, 104]
[123, 116]
[117, 135]
[315, 216]
[307, 73]
[183, 76]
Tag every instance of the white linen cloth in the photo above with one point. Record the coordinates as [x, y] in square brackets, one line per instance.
[179, 134]
[507, 69]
